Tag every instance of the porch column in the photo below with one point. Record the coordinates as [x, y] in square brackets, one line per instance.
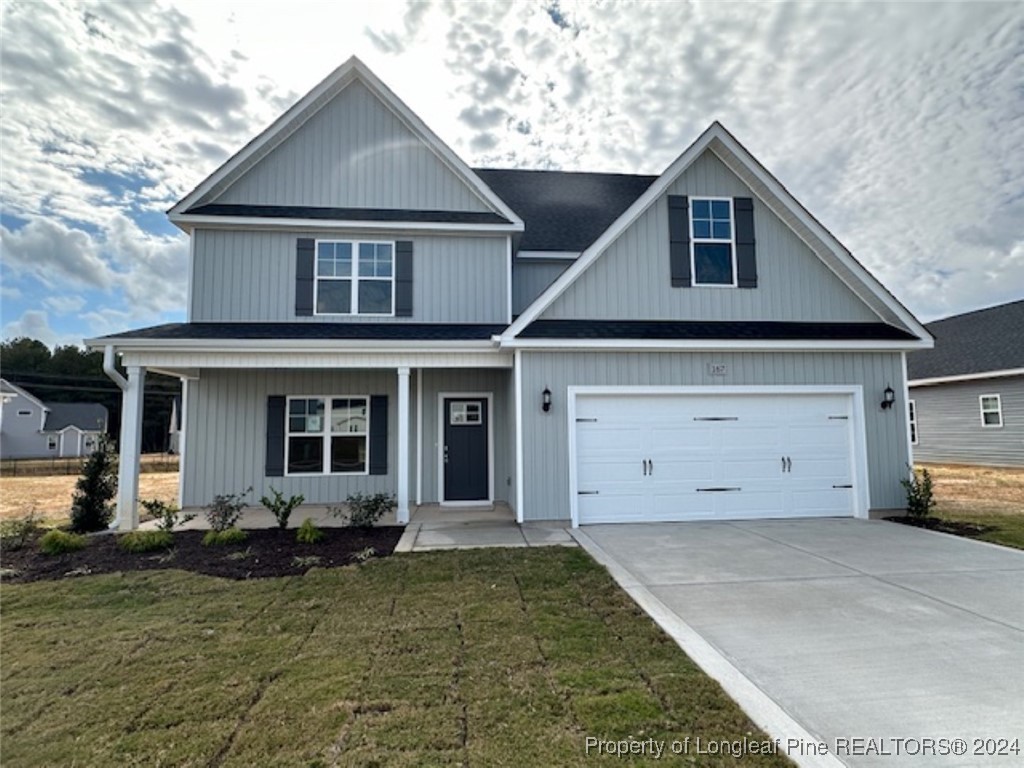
[402, 513]
[131, 446]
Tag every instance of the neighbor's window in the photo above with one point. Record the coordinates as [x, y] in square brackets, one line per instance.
[913, 422]
[51, 443]
[24, 413]
[327, 435]
[991, 411]
[712, 241]
[354, 278]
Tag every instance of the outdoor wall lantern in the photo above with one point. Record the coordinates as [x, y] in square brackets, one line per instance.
[887, 398]
[545, 400]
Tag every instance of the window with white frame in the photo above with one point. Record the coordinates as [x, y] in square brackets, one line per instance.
[991, 411]
[355, 277]
[51, 442]
[912, 408]
[712, 240]
[327, 435]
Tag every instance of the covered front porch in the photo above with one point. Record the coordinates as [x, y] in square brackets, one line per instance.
[434, 428]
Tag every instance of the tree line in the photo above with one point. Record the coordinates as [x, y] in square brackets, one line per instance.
[70, 374]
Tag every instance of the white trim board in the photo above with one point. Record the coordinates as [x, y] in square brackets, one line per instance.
[966, 377]
[877, 296]
[353, 69]
[724, 345]
[489, 396]
[858, 431]
[190, 221]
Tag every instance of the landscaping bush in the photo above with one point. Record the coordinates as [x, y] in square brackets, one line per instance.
[57, 542]
[364, 510]
[308, 533]
[167, 515]
[919, 493]
[226, 536]
[223, 512]
[91, 508]
[145, 541]
[15, 534]
[281, 507]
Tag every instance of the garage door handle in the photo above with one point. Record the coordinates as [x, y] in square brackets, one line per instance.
[650, 466]
[587, 493]
[717, 490]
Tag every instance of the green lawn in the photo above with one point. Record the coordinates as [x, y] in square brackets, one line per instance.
[486, 657]
[1007, 530]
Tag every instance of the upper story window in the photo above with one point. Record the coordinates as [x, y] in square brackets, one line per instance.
[712, 238]
[991, 411]
[355, 278]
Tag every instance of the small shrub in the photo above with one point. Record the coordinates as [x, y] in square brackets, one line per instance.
[167, 516]
[57, 542]
[223, 512]
[220, 538]
[15, 534]
[145, 541]
[91, 508]
[919, 493]
[243, 554]
[281, 507]
[364, 555]
[364, 510]
[308, 561]
[308, 533]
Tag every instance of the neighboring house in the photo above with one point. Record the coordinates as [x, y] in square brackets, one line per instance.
[967, 394]
[32, 429]
[368, 313]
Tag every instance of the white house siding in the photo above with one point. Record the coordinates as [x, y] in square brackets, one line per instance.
[353, 153]
[249, 276]
[949, 423]
[632, 279]
[21, 437]
[530, 277]
[545, 435]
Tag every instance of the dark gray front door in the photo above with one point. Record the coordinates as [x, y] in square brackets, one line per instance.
[465, 449]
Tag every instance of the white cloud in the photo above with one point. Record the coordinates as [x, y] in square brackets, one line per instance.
[35, 324]
[64, 305]
[55, 254]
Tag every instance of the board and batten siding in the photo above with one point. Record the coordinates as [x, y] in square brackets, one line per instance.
[949, 423]
[249, 276]
[545, 435]
[530, 277]
[481, 380]
[353, 153]
[631, 280]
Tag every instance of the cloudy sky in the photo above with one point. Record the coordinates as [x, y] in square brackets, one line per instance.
[901, 126]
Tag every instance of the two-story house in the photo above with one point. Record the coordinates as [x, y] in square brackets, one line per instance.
[32, 429]
[368, 313]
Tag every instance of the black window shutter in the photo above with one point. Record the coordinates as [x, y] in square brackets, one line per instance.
[403, 278]
[679, 240]
[275, 435]
[378, 435]
[746, 260]
[304, 257]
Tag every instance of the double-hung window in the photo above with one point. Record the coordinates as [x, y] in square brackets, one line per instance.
[713, 241]
[355, 278]
[912, 409]
[327, 435]
[991, 411]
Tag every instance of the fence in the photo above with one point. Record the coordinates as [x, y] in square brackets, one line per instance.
[159, 462]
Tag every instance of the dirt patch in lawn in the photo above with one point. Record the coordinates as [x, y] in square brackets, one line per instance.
[964, 491]
[50, 496]
[263, 554]
[956, 527]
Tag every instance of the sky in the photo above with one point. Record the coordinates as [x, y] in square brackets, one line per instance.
[900, 126]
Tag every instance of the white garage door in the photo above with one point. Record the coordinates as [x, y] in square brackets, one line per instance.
[705, 457]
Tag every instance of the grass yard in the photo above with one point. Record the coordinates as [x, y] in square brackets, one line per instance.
[988, 496]
[485, 657]
[50, 496]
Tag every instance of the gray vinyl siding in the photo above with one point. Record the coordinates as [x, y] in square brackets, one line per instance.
[530, 277]
[249, 276]
[545, 435]
[21, 436]
[353, 153]
[481, 380]
[632, 280]
[949, 423]
[225, 448]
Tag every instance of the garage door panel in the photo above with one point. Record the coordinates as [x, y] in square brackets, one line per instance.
[821, 502]
[666, 507]
[735, 436]
[749, 504]
[673, 472]
[689, 438]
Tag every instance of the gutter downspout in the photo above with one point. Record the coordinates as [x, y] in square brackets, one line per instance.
[108, 368]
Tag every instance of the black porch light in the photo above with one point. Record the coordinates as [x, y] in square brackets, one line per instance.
[545, 400]
[888, 397]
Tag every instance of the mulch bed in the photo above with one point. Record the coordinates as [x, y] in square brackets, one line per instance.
[955, 527]
[264, 553]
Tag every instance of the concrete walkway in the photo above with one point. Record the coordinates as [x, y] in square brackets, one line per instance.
[433, 527]
[837, 632]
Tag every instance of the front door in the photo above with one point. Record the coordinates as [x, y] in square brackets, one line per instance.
[465, 449]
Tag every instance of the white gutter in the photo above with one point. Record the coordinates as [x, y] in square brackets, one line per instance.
[966, 377]
[110, 370]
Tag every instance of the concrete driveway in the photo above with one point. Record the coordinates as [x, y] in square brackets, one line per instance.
[854, 634]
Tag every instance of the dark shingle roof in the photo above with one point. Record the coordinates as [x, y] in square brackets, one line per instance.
[989, 339]
[564, 211]
[688, 329]
[90, 417]
[347, 214]
[325, 331]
